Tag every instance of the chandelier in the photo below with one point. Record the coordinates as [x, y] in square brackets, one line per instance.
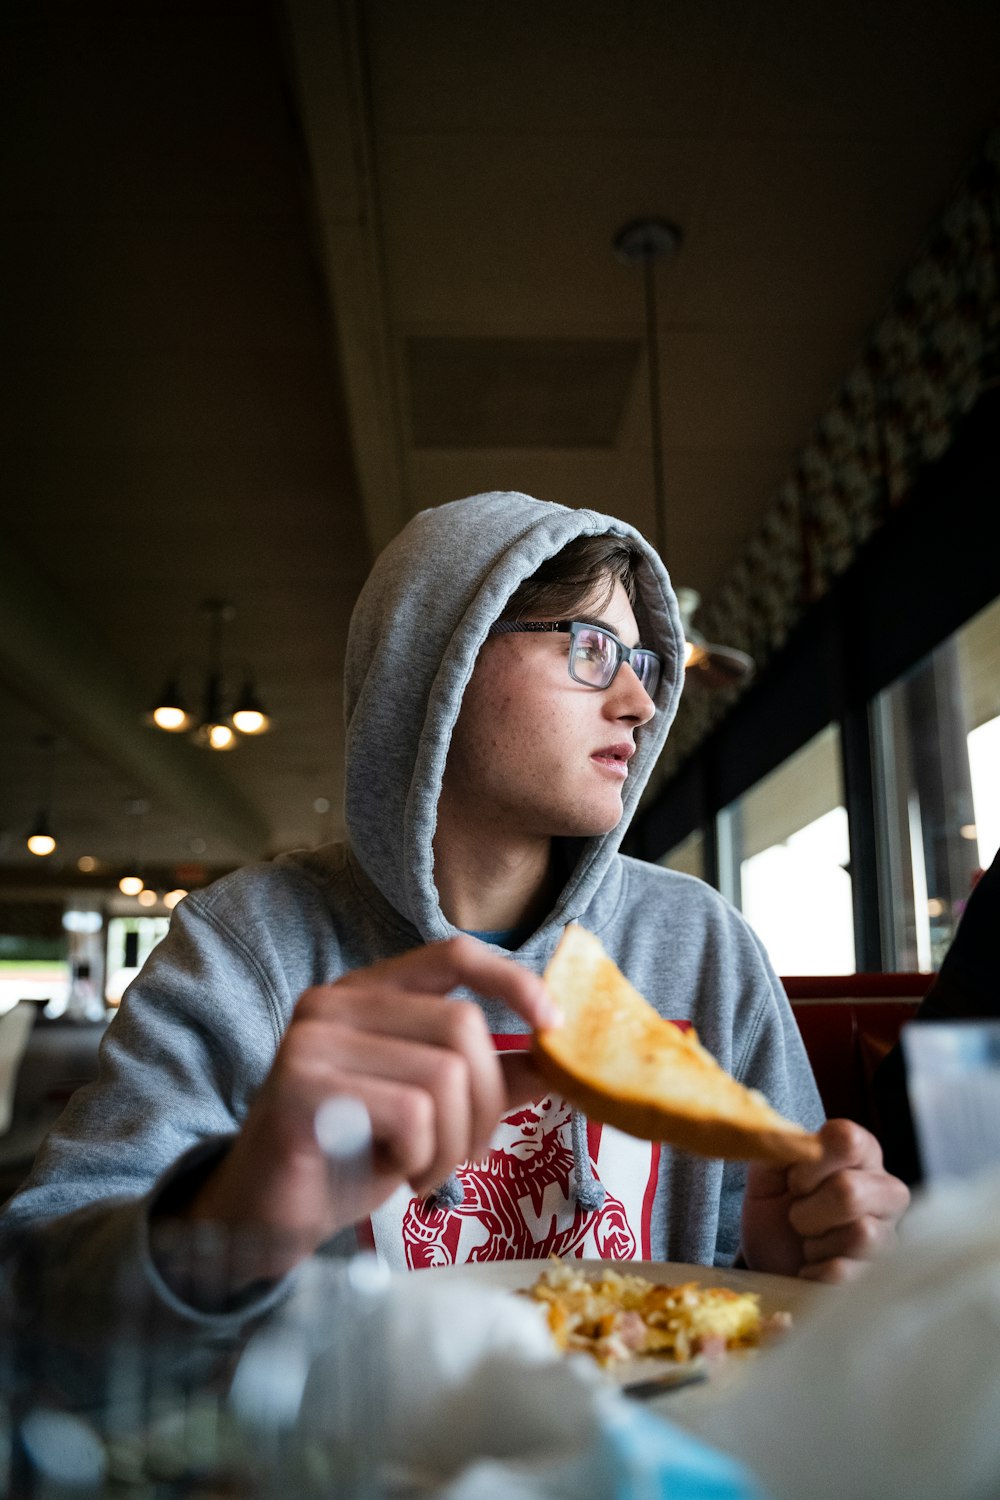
[225, 716]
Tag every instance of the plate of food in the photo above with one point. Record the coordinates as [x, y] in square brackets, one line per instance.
[650, 1321]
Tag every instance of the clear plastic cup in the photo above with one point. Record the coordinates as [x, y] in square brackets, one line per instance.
[953, 1080]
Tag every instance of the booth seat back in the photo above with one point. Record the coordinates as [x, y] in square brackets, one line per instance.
[848, 1024]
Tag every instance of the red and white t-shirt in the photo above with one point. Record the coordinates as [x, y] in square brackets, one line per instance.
[518, 1203]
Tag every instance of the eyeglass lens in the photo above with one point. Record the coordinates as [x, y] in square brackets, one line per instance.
[596, 656]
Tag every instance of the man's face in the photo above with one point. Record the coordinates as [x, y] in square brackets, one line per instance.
[536, 755]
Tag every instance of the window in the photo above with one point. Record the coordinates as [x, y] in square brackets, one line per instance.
[784, 861]
[936, 734]
[130, 942]
[688, 856]
[34, 963]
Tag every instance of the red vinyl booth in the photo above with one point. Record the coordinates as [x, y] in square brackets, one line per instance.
[848, 1024]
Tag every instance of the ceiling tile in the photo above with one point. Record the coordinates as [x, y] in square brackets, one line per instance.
[902, 69]
[517, 393]
[568, 66]
[812, 234]
[526, 238]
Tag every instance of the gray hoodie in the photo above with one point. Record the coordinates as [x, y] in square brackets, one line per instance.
[198, 1029]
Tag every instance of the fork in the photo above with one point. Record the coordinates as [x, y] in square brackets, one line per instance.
[664, 1384]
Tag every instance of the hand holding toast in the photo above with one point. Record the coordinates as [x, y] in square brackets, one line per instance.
[821, 1220]
[816, 1206]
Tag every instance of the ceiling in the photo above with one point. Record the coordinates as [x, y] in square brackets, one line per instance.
[276, 276]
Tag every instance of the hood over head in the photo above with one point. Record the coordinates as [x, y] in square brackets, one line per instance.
[415, 633]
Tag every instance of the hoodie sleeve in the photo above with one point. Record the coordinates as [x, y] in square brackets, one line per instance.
[194, 1038]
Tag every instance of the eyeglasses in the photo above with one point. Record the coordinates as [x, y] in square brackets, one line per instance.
[595, 654]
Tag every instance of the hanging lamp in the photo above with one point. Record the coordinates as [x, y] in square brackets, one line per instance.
[218, 727]
[40, 839]
[132, 882]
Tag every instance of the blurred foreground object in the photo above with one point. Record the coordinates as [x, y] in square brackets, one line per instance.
[893, 1386]
[154, 1408]
[953, 1080]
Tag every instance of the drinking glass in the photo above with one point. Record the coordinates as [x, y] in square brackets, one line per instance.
[953, 1079]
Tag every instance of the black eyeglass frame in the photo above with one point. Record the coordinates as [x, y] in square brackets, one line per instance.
[572, 628]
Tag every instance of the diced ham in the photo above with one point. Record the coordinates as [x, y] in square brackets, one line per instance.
[631, 1329]
[712, 1345]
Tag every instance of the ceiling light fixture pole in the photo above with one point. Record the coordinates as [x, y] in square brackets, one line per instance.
[643, 242]
[214, 731]
[655, 403]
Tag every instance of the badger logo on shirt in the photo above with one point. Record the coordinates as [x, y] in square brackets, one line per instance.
[518, 1203]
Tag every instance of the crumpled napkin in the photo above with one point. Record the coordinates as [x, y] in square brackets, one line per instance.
[892, 1385]
[480, 1407]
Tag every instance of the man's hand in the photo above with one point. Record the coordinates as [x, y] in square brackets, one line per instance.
[424, 1067]
[822, 1220]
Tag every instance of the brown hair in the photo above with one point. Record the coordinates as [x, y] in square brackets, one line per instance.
[573, 577]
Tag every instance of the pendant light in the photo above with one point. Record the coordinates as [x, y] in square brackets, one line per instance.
[169, 712]
[643, 242]
[40, 839]
[132, 882]
[219, 727]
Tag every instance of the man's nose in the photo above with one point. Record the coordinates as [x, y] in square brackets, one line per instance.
[630, 701]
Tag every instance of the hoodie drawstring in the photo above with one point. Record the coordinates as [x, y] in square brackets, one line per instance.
[448, 1195]
[588, 1192]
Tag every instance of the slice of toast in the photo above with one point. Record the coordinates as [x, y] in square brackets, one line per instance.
[620, 1062]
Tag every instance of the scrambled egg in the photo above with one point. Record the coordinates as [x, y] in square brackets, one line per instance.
[612, 1316]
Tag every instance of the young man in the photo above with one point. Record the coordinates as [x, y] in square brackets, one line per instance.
[512, 671]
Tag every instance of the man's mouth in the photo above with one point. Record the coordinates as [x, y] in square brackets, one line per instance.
[614, 759]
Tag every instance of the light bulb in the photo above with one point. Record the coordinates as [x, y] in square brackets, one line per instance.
[214, 734]
[250, 721]
[130, 885]
[171, 899]
[171, 719]
[250, 716]
[168, 711]
[146, 897]
[41, 844]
